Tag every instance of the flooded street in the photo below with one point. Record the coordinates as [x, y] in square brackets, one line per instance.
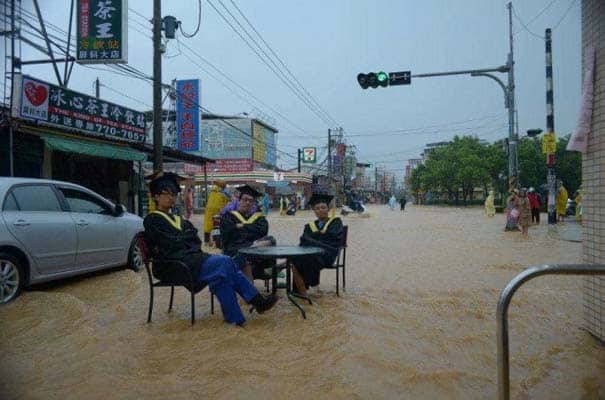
[417, 321]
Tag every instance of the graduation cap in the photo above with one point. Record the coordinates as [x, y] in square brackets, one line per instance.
[161, 181]
[317, 198]
[249, 190]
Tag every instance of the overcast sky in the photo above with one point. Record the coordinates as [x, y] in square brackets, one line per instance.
[326, 43]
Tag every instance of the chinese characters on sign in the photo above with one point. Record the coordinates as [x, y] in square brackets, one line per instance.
[188, 115]
[549, 143]
[231, 165]
[102, 31]
[52, 105]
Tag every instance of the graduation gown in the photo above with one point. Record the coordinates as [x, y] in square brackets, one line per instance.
[171, 237]
[234, 238]
[328, 236]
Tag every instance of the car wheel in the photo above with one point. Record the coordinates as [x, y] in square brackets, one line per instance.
[135, 257]
[12, 277]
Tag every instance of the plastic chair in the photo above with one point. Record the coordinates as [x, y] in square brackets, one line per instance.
[187, 282]
[340, 262]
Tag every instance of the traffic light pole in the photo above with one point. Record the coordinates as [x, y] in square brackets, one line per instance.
[404, 78]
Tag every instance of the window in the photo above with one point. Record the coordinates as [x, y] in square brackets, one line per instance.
[36, 198]
[80, 202]
[10, 204]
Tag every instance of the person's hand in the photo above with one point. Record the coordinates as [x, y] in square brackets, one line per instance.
[239, 226]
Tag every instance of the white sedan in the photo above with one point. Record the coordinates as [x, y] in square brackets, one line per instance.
[51, 230]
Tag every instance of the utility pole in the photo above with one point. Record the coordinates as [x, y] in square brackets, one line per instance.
[299, 157]
[10, 124]
[513, 139]
[376, 182]
[157, 86]
[330, 159]
[550, 129]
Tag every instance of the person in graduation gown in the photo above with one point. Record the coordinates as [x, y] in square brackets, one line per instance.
[171, 237]
[325, 232]
[244, 227]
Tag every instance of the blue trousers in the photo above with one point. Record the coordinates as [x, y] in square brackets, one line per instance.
[225, 280]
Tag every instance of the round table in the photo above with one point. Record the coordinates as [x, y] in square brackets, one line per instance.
[287, 252]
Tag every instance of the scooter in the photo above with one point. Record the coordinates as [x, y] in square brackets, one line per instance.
[356, 206]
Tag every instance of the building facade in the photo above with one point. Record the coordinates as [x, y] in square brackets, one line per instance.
[593, 172]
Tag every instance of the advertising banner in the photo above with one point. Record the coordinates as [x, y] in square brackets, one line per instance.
[188, 115]
[102, 31]
[51, 105]
[259, 143]
[229, 139]
[231, 165]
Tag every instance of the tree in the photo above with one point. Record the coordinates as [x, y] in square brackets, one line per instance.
[532, 163]
[568, 166]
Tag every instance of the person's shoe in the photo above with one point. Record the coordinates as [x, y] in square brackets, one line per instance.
[262, 304]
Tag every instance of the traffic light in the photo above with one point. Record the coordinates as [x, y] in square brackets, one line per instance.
[533, 132]
[373, 79]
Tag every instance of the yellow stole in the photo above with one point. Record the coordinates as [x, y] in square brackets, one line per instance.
[324, 229]
[250, 220]
[176, 222]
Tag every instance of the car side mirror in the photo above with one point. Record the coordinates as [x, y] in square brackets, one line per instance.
[118, 210]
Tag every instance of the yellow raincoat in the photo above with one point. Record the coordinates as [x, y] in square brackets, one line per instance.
[216, 201]
[561, 200]
[490, 210]
[578, 201]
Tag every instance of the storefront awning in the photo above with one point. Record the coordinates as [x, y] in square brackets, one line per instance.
[93, 148]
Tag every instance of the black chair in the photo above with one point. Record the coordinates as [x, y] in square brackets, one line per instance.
[341, 260]
[187, 282]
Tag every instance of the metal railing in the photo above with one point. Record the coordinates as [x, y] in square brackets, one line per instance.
[505, 298]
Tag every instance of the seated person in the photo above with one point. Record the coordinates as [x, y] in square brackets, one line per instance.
[244, 227]
[324, 232]
[171, 237]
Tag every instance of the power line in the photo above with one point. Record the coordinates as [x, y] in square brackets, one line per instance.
[133, 72]
[277, 73]
[281, 62]
[236, 84]
[525, 26]
[222, 73]
[565, 14]
[534, 18]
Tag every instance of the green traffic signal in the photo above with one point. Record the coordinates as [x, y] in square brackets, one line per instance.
[373, 79]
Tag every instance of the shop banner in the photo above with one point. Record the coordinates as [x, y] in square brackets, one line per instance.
[102, 31]
[231, 165]
[188, 115]
[52, 105]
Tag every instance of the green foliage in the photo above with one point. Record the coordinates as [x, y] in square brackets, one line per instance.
[568, 166]
[465, 164]
[532, 163]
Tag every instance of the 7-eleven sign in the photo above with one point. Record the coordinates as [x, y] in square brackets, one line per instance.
[309, 155]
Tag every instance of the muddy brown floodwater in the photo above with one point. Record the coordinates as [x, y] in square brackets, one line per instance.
[417, 322]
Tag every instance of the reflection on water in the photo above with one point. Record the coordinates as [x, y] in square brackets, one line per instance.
[417, 321]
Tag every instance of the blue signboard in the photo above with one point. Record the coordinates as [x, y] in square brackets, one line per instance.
[188, 115]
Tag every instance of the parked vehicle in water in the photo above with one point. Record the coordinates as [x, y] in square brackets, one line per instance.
[51, 230]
